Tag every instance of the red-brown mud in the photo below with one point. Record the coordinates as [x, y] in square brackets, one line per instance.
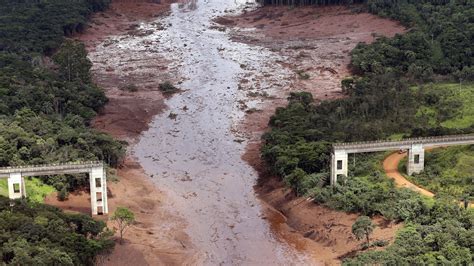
[130, 73]
[316, 43]
[130, 79]
[157, 238]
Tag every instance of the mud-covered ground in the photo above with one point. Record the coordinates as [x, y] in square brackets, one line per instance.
[130, 74]
[315, 44]
[194, 199]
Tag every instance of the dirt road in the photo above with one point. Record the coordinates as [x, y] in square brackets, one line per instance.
[390, 165]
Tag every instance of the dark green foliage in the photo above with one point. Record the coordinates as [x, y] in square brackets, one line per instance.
[444, 242]
[47, 103]
[39, 26]
[449, 171]
[382, 103]
[370, 192]
[440, 40]
[72, 61]
[37, 234]
[167, 88]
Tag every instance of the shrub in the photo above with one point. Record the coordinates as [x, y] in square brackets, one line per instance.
[167, 88]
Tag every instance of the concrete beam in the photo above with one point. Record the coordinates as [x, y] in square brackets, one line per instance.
[96, 171]
[415, 146]
[382, 145]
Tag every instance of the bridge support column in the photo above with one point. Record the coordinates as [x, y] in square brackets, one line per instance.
[416, 159]
[98, 188]
[16, 186]
[338, 165]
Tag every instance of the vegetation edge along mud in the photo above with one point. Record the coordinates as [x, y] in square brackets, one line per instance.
[221, 125]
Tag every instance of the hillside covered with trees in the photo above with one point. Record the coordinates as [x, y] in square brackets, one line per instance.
[407, 86]
[47, 97]
[47, 100]
[38, 234]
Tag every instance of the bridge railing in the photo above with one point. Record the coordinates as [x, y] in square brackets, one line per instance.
[48, 167]
[404, 142]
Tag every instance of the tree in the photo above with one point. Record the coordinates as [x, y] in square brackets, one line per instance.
[363, 227]
[123, 217]
[73, 62]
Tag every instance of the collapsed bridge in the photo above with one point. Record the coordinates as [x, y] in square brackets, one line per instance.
[415, 147]
[95, 169]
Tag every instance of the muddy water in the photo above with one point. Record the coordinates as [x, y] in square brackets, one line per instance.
[193, 150]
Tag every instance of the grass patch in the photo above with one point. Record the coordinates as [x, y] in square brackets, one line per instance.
[447, 171]
[449, 105]
[35, 189]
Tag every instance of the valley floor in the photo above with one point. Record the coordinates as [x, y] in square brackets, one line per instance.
[312, 45]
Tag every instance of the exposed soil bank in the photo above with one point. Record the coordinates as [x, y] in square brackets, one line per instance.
[130, 74]
[157, 238]
[325, 231]
[195, 149]
[315, 43]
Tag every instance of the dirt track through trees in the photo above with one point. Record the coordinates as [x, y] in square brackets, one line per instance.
[390, 166]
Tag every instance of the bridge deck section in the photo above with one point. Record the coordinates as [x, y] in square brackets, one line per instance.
[429, 142]
[51, 169]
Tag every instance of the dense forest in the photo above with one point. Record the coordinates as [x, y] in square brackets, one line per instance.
[47, 97]
[415, 84]
[47, 100]
[38, 234]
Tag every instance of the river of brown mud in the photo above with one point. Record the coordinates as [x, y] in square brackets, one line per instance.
[193, 150]
[315, 43]
[195, 199]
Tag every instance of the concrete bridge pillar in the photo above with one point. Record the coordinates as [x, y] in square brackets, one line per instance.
[416, 159]
[16, 186]
[98, 188]
[338, 165]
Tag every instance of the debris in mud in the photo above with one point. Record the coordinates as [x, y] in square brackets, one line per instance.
[224, 21]
[109, 42]
[186, 177]
[327, 69]
[309, 234]
[190, 195]
[302, 74]
[129, 87]
[254, 94]
[172, 116]
[252, 110]
[167, 88]
[158, 25]
[140, 32]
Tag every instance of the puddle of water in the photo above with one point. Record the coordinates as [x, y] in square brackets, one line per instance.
[195, 156]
